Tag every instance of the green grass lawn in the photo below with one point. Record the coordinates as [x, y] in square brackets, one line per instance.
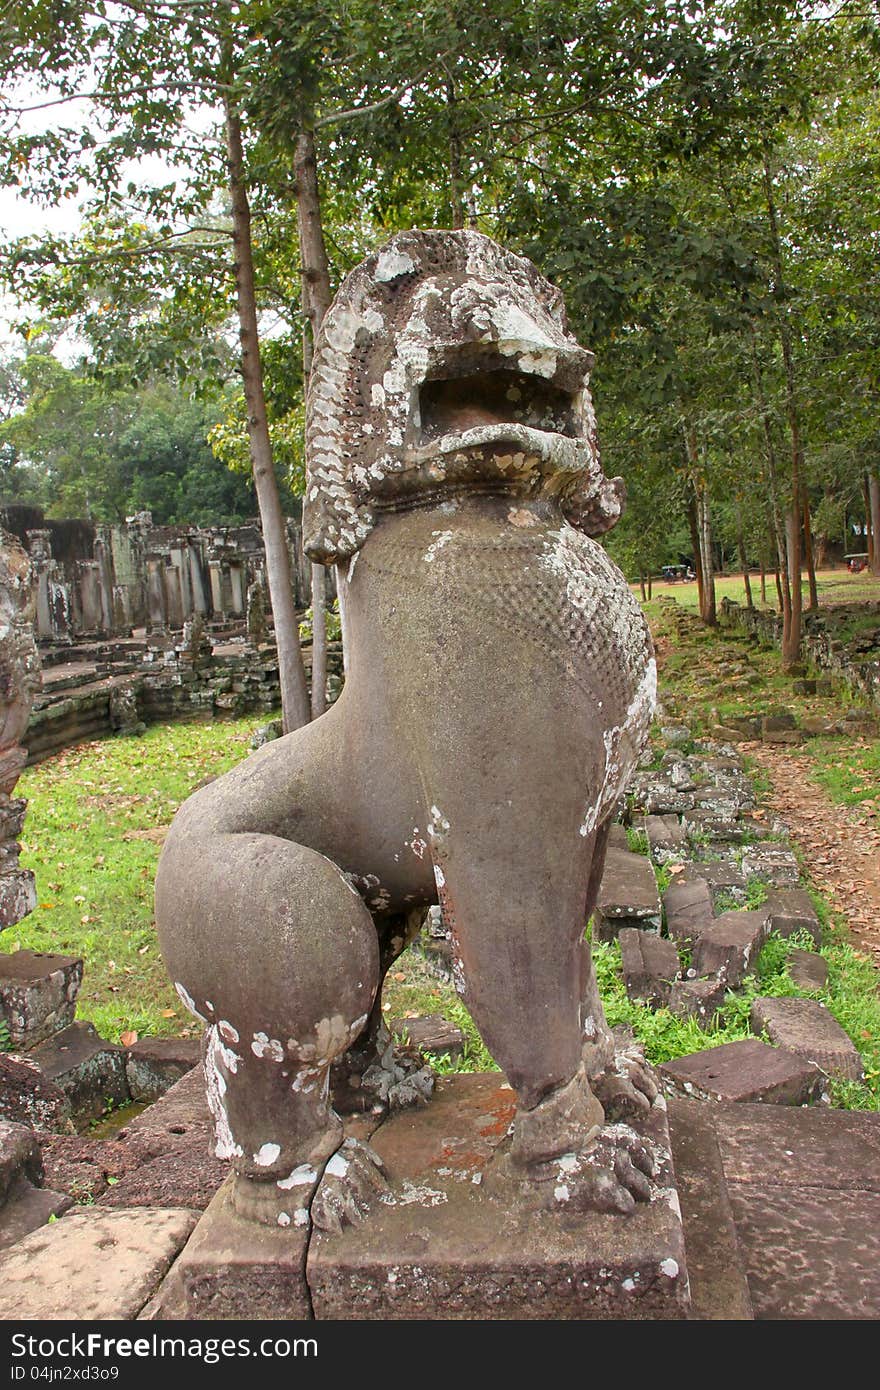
[833, 586]
[92, 835]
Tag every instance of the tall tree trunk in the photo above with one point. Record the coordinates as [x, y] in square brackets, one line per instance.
[792, 642]
[294, 690]
[808, 551]
[456, 201]
[317, 297]
[874, 497]
[763, 585]
[744, 564]
[695, 547]
[871, 535]
[782, 584]
[701, 529]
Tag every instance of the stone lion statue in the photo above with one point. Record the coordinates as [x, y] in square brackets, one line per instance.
[500, 687]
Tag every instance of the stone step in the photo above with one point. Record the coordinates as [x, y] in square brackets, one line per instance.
[37, 994]
[90, 1071]
[91, 1265]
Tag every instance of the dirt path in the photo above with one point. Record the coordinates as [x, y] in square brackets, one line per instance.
[841, 844]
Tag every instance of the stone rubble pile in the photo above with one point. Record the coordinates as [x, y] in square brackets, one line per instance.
[732, 881]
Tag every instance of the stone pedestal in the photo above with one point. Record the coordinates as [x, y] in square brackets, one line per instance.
[447, 1243]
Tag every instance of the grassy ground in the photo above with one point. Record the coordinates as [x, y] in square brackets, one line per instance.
[92, 835]
[834, 586]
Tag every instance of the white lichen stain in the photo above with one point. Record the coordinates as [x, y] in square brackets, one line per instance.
[442, 538]
[263, 1046]
[303, 1176]
[187, 1001]
[669, 1267]
[225, 1145]
[283, 1218]
[337, 1167]
[266, 1155]
[411, 1193]
[301, 1217]
[561, 1192]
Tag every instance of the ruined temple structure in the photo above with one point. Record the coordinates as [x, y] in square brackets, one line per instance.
[499, 690]
[104, 581]
[137, 623]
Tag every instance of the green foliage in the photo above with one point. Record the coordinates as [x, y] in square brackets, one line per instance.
[334, 624]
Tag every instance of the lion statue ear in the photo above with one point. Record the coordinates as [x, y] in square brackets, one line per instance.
[597, 511]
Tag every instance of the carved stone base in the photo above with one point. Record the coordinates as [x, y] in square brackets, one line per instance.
[232, 1268]
[442, 1246]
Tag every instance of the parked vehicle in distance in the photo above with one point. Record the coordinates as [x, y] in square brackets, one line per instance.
[674, 574]
[856, 563]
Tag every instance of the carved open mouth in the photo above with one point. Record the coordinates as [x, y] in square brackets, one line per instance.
[458, 405]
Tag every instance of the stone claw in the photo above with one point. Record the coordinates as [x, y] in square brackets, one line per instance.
[627, 1089]
[611, 1176]
[353, 1177]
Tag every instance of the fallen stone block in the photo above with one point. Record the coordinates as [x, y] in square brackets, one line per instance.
[27, 1209]
[723, 876]
[20, 1157]
[18, 896]
[25, 1204]
[432, 1033]
[30, 1098]
[731, 945]
[808, 969]
[650, 965]
[791, 910]
[666, 839]
[91, 1265]
[628, 895]
[37, 994]
[816, 726]
[688, 910]
[698, 998]
[774, 864]
[747, 1071]
[781, 722]
[153, 1065]
[90, 1071]
[807, 1029]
